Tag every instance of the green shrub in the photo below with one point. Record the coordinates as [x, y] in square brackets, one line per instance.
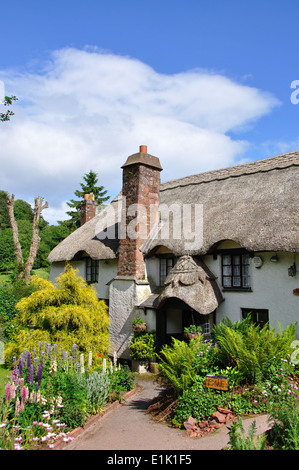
[196, 401]
[97, 387]
[74, 397]
[143, 347]
[201, 402]
[241, 441]
[285, 431]
[7, 312]
[121, 380]
[255, 351]
[66, 313]
[181, 363]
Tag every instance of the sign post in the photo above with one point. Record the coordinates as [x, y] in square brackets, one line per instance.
[217, 382]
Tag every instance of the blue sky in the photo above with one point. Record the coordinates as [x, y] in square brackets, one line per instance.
[205, 84]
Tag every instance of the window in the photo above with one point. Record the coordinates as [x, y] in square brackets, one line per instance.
[236, 271]
[258, 316]
[166, 264]
[190, 317]
[92, 270]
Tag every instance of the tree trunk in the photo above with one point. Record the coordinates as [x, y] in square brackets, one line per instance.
[38, 208]
[24, 270]
[15, 235]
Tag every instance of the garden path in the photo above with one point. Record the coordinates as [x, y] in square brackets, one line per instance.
[129, 427]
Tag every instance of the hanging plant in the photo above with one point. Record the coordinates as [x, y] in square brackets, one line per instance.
[138, 324]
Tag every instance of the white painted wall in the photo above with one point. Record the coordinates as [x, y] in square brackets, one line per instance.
[107, 272]
[272, 289]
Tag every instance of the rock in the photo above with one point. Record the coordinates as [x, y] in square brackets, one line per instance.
[229, 416]
[191, 433]
[203, 424]
[190, 423]
[223, 410]
[220, 417]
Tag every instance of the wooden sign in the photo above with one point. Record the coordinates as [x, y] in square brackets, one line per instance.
[216, 381]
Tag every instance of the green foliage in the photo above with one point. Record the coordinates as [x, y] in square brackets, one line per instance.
[254, 351]
[66, 313]
[7, 253]
[48, 388]
[177, 363]
[234, 375]
[201, 402]
[97, 387]
[143, 347]
[137, 321]
[50, 235]
[285, 431]
[295, 352]
[7, 313]
[89, 186]
[196, 401]
[120, 381]
[241, 441]
[74, 397]
[8, 100]
[193, 329]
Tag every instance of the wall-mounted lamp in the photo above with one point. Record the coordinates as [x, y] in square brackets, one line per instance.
[257, 261]
[274, 259]
[292, 270]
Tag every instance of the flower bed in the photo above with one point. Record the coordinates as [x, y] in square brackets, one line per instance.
[49, 396]
[260, 365]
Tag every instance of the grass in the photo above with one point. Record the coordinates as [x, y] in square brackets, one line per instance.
[42, 272]
[4, 374]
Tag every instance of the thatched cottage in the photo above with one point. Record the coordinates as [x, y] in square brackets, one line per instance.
[193, 250]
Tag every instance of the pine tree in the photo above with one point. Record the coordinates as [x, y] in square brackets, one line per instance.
[90, 186]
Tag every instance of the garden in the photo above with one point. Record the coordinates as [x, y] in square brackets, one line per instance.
[261, 367]
[58, 372]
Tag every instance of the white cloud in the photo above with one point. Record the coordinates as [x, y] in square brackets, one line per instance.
[89, 110]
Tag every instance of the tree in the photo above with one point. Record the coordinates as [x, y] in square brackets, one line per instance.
[24, 269]
[4, 219]
[90, 186]
[7, 102]
[65, 314]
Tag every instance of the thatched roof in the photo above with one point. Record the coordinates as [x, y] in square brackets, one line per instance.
[91, 239]
[255, 204]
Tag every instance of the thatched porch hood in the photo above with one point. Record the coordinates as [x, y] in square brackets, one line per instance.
[192, 282]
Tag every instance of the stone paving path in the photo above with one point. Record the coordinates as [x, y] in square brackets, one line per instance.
[129, 427]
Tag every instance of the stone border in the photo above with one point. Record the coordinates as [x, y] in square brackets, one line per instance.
[60, 444]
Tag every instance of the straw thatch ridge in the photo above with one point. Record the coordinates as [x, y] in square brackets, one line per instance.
[255, 204]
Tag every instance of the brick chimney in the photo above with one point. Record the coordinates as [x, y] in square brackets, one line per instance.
[141, 190]
[88, 208]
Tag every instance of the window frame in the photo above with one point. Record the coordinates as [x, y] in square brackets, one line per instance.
[244, 258]
[91, 270]
[254, 313]
[169, 259]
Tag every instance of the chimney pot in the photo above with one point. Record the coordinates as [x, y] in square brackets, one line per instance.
[143, 148]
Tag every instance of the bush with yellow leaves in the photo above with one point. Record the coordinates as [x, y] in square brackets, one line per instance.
[66, 313]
